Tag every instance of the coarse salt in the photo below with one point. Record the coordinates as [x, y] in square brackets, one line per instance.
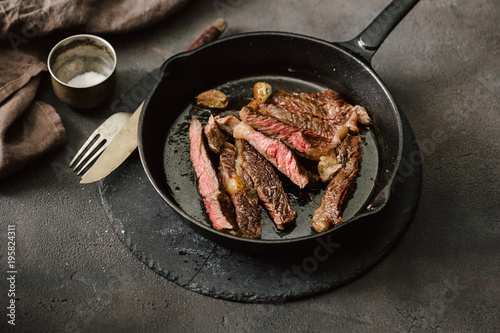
[87, 79]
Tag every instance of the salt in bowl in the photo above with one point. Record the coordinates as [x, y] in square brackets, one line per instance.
[82, 69]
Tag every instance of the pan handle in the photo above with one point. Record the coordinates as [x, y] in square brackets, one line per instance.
[370, 39]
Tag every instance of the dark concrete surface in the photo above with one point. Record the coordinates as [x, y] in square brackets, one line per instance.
[442, 65]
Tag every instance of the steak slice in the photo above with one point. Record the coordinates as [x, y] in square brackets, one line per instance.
[329, 212]
[217, 203]
[243, 196]
[277, 153]
[273, 150]
[310, 125]
[267, 185]
[215, 137]
[324, 115]
[289, 134]
[326, 104]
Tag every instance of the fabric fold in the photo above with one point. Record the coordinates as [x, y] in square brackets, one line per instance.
[28, 128]
[28, 19]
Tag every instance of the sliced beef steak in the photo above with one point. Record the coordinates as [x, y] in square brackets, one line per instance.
[324, 115]
[289, 134]
[317, 128]
[273, 150]
[277, 153]
[217, 203]
[215, 137]
[326, 104]
[273, 130]
[267, 185]
[243, 196]
[311, 126]
[329, 212]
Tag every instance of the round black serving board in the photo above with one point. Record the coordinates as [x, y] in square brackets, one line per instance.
[163, 241]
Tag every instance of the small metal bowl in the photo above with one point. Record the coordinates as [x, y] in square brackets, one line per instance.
[82, 68]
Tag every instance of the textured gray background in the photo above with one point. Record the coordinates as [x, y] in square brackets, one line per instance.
[442, 65]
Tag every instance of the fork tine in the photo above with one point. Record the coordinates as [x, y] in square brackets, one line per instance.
[95, 155]
[98, 141]
[109, 126]
[78, 155]
[95, 144]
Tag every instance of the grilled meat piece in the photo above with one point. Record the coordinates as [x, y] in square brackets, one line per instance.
[267, 185]
[215, 137]
[276, 153]
[314, 127]
[329, 212]
[273, 150]
[324, 115]
[243, 196]
[326, 104]
[217, 203]
[289, 134]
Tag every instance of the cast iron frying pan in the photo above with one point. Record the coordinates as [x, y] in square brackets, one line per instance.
[290, 62]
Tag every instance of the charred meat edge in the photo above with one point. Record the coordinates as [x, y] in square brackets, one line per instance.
[216, 200]
[273, 150]
[243, 196]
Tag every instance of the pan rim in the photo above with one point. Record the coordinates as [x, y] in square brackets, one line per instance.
[258, 242]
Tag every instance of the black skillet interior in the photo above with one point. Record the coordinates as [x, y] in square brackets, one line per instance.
[287, 61]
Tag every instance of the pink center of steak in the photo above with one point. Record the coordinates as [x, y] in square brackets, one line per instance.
[217, 203]
[275, 152]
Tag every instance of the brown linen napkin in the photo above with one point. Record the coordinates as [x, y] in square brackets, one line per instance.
[28, 128]
[27, 19]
